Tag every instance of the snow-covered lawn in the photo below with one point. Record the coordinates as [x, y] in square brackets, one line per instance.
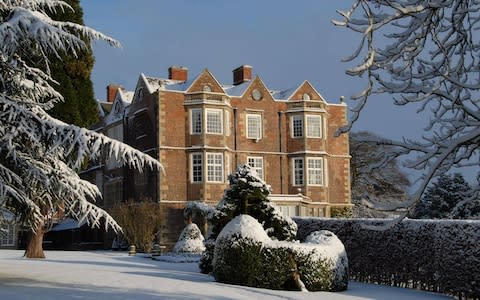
[115, 275]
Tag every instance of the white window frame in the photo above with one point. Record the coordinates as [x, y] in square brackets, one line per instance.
[8, 238]
[311, 128]
[195, 122]
[196, 161]
[256, 133]
[214, 167]
[216, 128]
[315, 171]
[295, 119]
[256, 163]
[296, 172]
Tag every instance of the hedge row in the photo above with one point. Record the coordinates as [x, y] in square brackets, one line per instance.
[435, 255]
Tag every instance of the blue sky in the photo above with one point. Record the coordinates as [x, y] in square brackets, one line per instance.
[286, 42]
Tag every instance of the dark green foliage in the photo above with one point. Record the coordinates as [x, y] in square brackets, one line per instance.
[434, 255]
[237, 261]
[243, 261]
[73, 76]
[441, 199]
[247, 194]
[206, 261]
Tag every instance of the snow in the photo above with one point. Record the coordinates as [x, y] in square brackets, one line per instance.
[244, 226]
[115, 275]
[190, 240]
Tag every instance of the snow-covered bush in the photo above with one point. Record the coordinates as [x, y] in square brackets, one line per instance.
[436, 255]
[190, 241]
[244, 254]
[247, 194]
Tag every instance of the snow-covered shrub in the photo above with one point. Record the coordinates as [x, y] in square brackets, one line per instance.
[244, 254]
[436, 255]
[337, 255]
[190, 241]
[247, 194]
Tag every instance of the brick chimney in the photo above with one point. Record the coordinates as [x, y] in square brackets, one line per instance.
[242, 74]
[178, 73]
[112, 91]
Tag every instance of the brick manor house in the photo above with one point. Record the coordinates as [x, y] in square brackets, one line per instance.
[201, 130]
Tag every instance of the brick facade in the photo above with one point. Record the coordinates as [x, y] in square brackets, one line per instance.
[201, 130]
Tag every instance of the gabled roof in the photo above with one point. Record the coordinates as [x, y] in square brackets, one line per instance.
[122, 100]
[308, 86]
[125, 96]
[156, 83]
[205, 78]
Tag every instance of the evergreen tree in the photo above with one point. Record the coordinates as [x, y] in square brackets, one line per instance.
[247, 194]
[40, 155]
[443, 196]
[72, 75]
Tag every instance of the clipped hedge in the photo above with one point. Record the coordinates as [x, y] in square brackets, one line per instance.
[435, 255]
[243, 258]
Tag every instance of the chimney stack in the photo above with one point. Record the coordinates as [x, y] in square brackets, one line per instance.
[178, 73]
[242, 74]
[112, 91]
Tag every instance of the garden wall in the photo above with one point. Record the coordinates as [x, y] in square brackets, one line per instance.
[435, 255]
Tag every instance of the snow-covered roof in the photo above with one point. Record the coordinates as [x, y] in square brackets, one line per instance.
[123, 99]
[158, 83]
[126, 96]
[236, 90]
[283, 94]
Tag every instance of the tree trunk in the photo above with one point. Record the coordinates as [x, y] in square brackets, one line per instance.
[35, 243]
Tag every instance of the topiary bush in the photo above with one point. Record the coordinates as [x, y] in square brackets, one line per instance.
[190, 241]
[246, 194]
[244, 254]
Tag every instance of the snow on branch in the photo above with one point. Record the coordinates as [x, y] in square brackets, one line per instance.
[39, 155]
[424, 53]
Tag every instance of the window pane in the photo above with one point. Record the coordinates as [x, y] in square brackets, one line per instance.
[8, 235]
[196, 121]
[197, 167]
[297, 126]
[214, 121]
[314, 126]
[214, 167]
[315, 171]
[298, 171]
[256, 163]
[254, 126]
